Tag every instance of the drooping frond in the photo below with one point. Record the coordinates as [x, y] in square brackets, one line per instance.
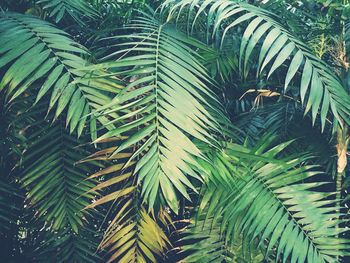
[9, 205]
[320, 89]
[136, 238]
[165, 104]
[205, 238]
[14, 119]
[56, 185]
[77, 9]
[133, 235]
[269, 199]
[203, 241]
[221, 64]
[68, 246]
[55, 69]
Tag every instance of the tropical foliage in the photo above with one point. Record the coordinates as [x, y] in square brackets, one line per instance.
[174, 131]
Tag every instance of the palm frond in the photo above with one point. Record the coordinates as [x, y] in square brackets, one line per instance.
[203, 241]
[56, 68]
[275, 199]
[320, 89]
[77, 9]
[221, 64]
[15, 118]
[10, 197]
[127, 237]
[166, 102]
[68, 246]
[135, 238]
[56, 185]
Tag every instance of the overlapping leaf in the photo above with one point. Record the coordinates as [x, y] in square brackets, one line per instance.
[15, 119]
[320, 89]
[203, 241]
[269, 200]
[9, 211]
[68, 246]
[55, 184]
[133, 235]
[56, 69]
[136, 238]
[166, 104]
[77, 9]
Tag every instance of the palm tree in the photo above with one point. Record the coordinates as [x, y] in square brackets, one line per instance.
[174, 131]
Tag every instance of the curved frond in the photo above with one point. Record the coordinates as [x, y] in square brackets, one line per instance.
[9, 208]
[203, 242]
[166, 103]
[56, 185]
[270, 199]
[133, 235]
[77, 9]
[56, 69]
[320, 89]
[134, 238]
[15, 119]
[68, 246]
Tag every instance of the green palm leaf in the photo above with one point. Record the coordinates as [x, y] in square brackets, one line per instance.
[56, 185]
[320, 89]
[15, 118]
[56, 68]
[204, 242]
[268, 200]
[166, 103]
[77, 9]
[68, 246]
[9, 207]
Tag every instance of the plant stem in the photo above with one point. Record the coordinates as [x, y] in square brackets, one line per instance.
[342, 146]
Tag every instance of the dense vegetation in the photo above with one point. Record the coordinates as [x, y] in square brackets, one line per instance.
[174, 131]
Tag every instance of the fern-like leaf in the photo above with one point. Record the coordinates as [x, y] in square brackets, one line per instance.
[56, 68]
[203, 241]
[166, 102]
[67, 246]
[127, 237]
[320, 89]
[269, 201]
[77, 9]
[56, 185]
